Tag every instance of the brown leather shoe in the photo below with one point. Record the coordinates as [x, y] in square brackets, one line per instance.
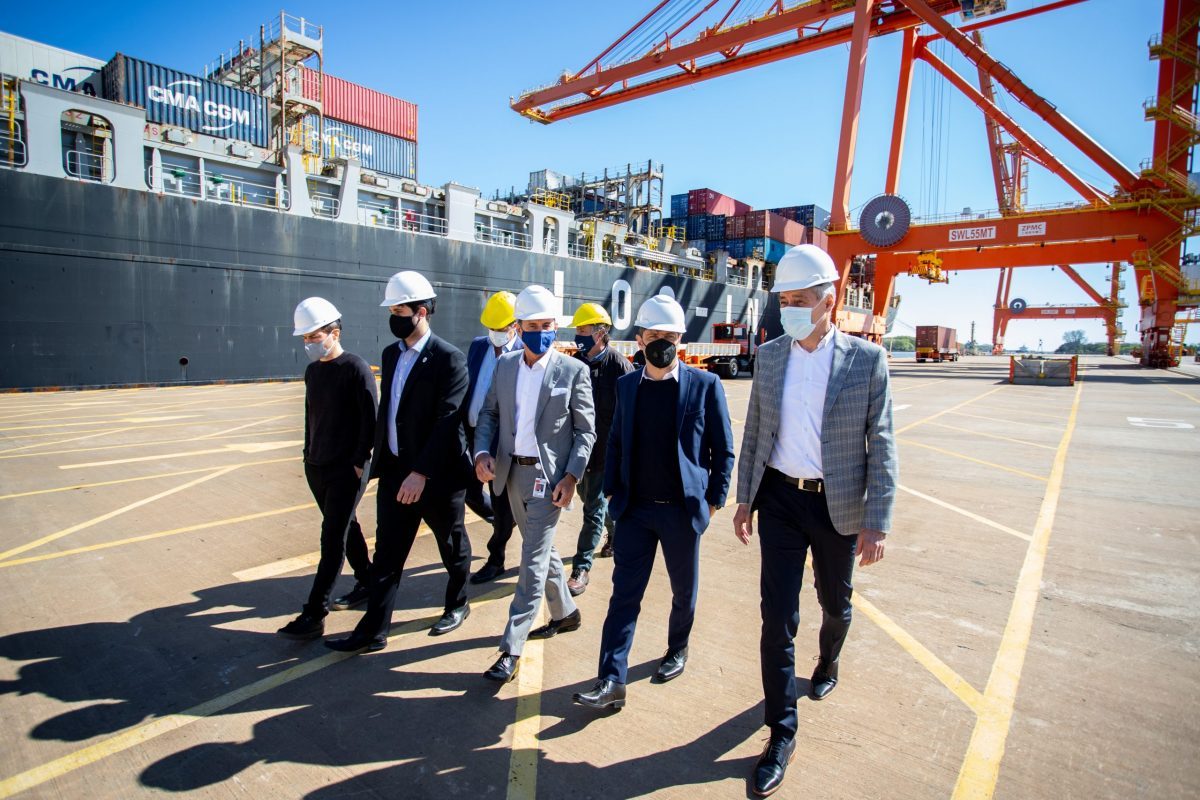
[606, 549]
[578, 583]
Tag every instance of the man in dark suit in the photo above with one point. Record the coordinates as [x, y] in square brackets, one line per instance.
[670, 458]
[420, 459]
[499, 317]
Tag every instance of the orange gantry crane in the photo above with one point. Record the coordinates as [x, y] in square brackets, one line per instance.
[1142, 219]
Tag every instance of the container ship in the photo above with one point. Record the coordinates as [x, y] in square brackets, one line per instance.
[158, 226]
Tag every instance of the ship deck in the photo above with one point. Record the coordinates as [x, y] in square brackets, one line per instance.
[1032, 632]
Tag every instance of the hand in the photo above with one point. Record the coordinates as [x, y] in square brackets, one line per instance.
[870, 546]
[485, 467]
[743, 523]
[712, 511]
[411, 489]
[564, 492]
[358, 471]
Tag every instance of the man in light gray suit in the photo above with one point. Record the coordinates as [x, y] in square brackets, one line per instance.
[540, 405]
[819, 465]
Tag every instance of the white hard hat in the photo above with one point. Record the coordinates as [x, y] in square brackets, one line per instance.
[802, 267]
[313, 313]
[537, 302]
[661, 313]
[407, 287]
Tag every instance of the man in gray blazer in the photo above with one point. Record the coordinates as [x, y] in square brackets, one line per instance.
[819, 465]
[539, 412]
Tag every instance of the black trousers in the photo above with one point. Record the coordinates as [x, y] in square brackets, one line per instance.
[336, 491]
[397, 530]
[791, 521]
[640, 531]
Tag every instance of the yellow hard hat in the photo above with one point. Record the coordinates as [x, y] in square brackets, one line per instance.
[590, 314]
[500, 311]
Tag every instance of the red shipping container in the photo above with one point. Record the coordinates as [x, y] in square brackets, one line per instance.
[706, 201]
[818, 237]
[348, 102]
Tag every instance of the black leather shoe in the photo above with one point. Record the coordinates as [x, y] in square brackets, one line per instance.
[352, 599]
[672, 665]
[505, 668]
[824, 678]
[451, 620]
[488, 572]
[305, 626]
[357, 643]
[772, 764]
[606, 549]
[570, 622]
[605, 694]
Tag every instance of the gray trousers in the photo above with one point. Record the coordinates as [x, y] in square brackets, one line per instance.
[541, 569]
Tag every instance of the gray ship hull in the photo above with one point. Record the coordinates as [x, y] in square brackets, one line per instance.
[106, 286]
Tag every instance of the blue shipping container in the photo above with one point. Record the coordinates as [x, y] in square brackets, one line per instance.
[679, 205]
[736, 248]
[812, 216]
[766, 249]
[714, 228]
[377, 152]
[715, 244]
[176, 98]
[696, 224]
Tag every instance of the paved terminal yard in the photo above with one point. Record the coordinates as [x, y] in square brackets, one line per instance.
[1032, 631]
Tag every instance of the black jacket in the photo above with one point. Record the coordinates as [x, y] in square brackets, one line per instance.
[605, 368]
[429, 430]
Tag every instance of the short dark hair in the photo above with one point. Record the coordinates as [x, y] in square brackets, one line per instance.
[336, 325]
[429, 305]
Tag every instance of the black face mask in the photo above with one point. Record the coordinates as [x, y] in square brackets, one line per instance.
[660, 353]
[402, 327]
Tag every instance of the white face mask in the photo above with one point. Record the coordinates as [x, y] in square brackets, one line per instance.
[798, 321]
[499, 338]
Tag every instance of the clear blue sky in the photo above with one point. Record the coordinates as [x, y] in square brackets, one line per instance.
[767, 136]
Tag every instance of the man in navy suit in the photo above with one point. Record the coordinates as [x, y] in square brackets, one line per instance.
[500, 320]
[670, 458]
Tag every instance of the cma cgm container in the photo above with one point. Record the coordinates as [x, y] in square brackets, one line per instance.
[377, 151]
[171, 97]
[706, 201]
[49, 66]
[358, 105]
[679, 205]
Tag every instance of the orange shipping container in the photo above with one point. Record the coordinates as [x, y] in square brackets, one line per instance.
[348, 102]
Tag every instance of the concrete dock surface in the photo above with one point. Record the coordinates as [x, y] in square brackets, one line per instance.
[1033, 631]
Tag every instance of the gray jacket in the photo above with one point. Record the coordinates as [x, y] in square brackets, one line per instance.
[565, 425]
[858, 449]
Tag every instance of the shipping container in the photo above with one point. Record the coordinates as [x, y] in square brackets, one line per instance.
[768, 225]
[735, 227]
[348, 102]
[767, 249]
[706, 201]
[696, 226]
[736, 248]
[175, 98]
[715, 227]
[390, 155]
[936, 343]
[50, 66]
[698, 244]
[679, 205]
[812, 216]
[818, 237]
[715, 244]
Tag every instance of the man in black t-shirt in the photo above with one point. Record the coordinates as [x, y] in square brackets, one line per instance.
[339, 429]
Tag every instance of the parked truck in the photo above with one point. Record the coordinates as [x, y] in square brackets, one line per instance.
[936, 343]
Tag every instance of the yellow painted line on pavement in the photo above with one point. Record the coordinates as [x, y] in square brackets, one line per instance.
[949, 410]
[1041, 425]
[523, 761]
[992, 435]
[138, 420]
[141, 734]
[918, 385]
[965, 513]
[1185, 394]
[65, 441]
[981, 767]
[98, 484]
[247, 447]
[943, 451]
[114, 513]
[251, 424]
[151, 443]
[938, 668]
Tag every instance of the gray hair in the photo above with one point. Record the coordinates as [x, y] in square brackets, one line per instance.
[824, 289]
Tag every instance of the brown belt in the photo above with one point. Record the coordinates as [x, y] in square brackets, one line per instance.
[526, 461]
[803, 484]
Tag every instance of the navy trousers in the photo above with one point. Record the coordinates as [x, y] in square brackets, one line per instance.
[640, 530]
[791, 521]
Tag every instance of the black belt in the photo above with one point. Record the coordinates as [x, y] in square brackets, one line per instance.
[803, 484]
[526, 461]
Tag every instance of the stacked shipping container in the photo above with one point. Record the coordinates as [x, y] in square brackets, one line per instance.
[706, 201]
[378, 152]
[360, 106]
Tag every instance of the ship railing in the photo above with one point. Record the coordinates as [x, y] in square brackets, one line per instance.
[579, 250]
[383, 216]
[12, 151]
[185, 182]
[325, 206]
[502, 237]
[88, 166]
[735, 280]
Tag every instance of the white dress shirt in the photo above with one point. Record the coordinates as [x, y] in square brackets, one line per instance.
[487, 368]
[529, 385]
[672, 374]
[404, 365]
[797, 450]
